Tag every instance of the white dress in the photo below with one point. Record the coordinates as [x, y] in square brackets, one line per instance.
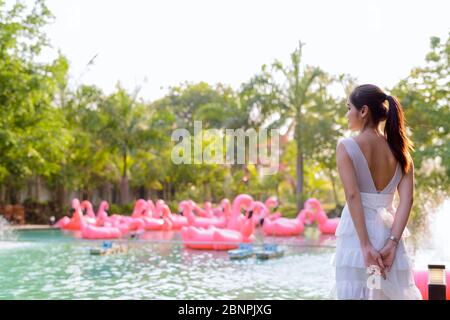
[350, 271]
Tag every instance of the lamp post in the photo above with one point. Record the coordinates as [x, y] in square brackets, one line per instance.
[436, 282]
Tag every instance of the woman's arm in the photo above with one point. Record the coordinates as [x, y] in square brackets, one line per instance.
[351, 189]
[405, 191]
[353, 197]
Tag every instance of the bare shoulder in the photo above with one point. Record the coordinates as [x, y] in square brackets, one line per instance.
[410, 172]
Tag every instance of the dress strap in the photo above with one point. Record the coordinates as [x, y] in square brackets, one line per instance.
[365, 181]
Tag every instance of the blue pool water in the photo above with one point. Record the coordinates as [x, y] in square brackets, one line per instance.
[50, 264]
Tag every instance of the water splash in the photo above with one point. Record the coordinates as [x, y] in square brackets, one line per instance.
[6, 232]
[434, 245]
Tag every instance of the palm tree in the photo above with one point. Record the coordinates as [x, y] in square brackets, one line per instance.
[125, 125]
[294, 95]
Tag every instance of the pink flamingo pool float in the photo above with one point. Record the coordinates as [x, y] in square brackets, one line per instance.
[75, 222]
[206, 212]
[213, 238]
[89, 230]
[326, 225]
[283, 226]
[272, 202]
[293, 227]
[223, 224]
[187, 208]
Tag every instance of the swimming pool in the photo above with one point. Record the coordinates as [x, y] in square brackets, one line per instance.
[51, 264]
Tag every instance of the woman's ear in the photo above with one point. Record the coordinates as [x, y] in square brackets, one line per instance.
[364, 111]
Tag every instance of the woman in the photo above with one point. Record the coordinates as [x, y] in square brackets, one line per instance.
[372, 166]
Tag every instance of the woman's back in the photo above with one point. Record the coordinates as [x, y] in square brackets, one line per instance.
[377, 170]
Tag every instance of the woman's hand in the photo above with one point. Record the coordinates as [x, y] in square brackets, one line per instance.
[373, 257]
[388, 254]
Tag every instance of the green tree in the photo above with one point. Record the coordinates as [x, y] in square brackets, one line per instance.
[125, 128]
[32, 134]
[290, 101]
[424, 95]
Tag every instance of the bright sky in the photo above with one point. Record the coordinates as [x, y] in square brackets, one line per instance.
[163, 43]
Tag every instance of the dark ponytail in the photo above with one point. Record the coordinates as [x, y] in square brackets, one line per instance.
[374, 98]
[396, 134]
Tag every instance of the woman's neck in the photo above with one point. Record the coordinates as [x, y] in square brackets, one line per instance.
[372, 131]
